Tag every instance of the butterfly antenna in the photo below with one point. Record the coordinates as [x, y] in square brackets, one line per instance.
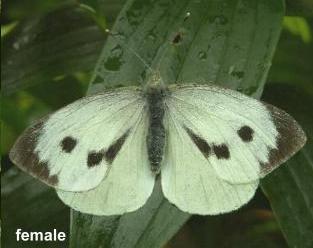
[130, 49]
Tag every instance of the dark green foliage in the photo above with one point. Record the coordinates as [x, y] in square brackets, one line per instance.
[28, 204]
[290, 188]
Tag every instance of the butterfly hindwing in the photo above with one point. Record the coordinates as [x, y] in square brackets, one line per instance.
[128, 184]
[189, 182]
[73, 148]
[241, 138]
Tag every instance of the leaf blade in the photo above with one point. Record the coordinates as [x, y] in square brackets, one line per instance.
[289, 189]
[118, 66]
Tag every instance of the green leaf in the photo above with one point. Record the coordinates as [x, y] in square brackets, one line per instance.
[300, 8]
[15, 9]
[58, 92]
[292, 63]
[30, 205]
[148, 227]
[227, 42]
[298, 26]
[251, 226]
[40, 49]
[289, 188]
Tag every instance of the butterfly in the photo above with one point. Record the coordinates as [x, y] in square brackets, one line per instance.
[209, 145]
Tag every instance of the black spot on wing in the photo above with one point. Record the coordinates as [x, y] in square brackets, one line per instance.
[113, 150]
[245, 133]
[221, 151]
[24, 156]
[94, 158]
[68, 144]
[202, 145]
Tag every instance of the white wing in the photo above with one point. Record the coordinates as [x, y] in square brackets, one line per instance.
[190, 182]
[241, 138]
[220, 142]
[127, 185]
[73, 148]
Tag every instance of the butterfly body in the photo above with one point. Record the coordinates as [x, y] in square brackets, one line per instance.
[155, 92]
[211, 146]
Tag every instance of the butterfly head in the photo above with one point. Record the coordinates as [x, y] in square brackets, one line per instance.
[155, 84]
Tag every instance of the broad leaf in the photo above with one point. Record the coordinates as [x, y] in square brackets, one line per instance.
[40, 49]
[289, 189]
[227, 42]
[30, 205]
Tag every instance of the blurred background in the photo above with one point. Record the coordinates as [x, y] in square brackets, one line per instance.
[48, 52]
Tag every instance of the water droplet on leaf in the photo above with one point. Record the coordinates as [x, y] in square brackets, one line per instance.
[202, 55]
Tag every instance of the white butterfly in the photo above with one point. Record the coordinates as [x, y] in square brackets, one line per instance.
[209, 144]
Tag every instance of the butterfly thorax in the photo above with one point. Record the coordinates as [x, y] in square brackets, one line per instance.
[155, 93]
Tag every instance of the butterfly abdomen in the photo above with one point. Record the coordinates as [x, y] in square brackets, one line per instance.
[156, 131]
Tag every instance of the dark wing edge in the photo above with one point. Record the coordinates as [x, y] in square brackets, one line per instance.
[23, 154]
[291, 138]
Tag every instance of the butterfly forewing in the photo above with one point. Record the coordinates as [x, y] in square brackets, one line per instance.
[73, 148]
[290, 139]
[240, 137]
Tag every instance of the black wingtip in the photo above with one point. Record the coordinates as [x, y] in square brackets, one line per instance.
[291, 138]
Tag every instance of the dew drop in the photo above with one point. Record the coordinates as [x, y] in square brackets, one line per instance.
[151, 35]
[202, 55]
[231, 69]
